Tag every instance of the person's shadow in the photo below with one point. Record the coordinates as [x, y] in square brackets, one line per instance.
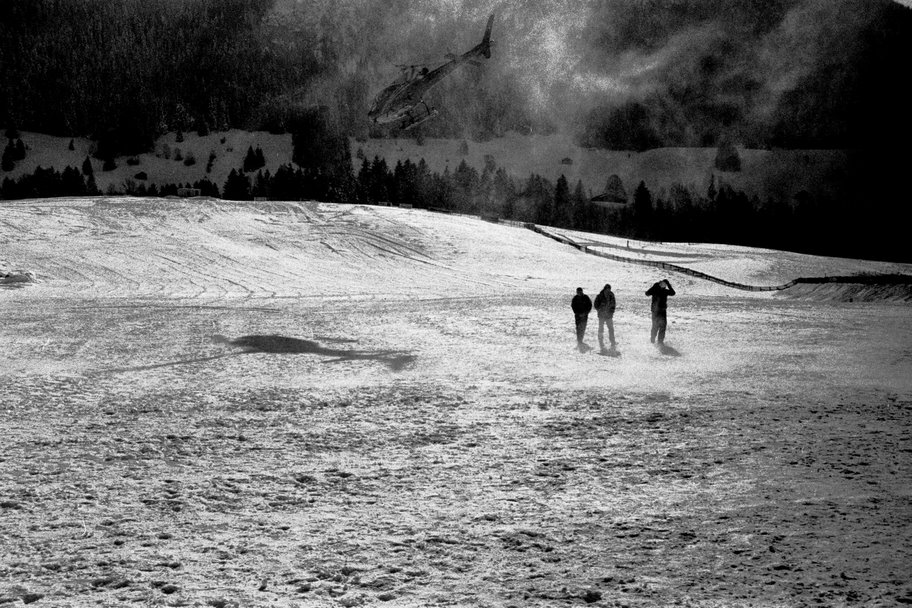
[668, 350]
[610, 352]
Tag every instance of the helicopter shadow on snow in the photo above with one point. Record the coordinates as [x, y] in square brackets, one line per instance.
[274, 344]
[395, 360]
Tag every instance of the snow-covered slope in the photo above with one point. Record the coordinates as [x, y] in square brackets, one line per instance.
[214, 403]
[210, 248]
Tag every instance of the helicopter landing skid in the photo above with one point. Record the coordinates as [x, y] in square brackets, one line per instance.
[417, 115]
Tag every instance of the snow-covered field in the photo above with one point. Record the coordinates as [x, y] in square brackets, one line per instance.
[302, 404]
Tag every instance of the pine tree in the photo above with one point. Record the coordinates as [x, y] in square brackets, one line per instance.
[504, 193]
[261, 184]
[562, 206]
[72, 146]
[380, 176]
[465, 188]
[614, 190]
[642, 209]
[8, 190]
[9, 156]
[206, 188]
[91, 186]
[20, 150]
[237, 186]
[422, 184]
[398, 186]
[250, 160]
[581, 216]
[538, 192]
[285, 185]
[259, 158]
[72, 182]
[87, 167]
[364, 177]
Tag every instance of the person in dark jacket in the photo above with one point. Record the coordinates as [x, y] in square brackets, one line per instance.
[659, 292]
[604, 305]
[581, 305]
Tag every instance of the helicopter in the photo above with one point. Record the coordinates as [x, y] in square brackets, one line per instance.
[403, 102]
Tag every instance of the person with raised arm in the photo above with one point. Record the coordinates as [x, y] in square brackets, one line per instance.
[659, 293]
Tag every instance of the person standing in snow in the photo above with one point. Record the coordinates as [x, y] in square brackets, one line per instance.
[581, 305]
[604, 306]
[659, 292]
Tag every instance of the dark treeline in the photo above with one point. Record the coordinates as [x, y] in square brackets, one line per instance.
[719, 214]
[125, 72]
[46, 183]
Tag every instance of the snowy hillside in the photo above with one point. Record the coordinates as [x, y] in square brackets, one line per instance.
[209, 248]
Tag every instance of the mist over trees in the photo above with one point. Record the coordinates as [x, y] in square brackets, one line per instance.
[785, 73]
[618, 74]
[126, 71]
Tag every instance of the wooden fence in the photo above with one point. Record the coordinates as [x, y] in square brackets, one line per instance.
[891, 279]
